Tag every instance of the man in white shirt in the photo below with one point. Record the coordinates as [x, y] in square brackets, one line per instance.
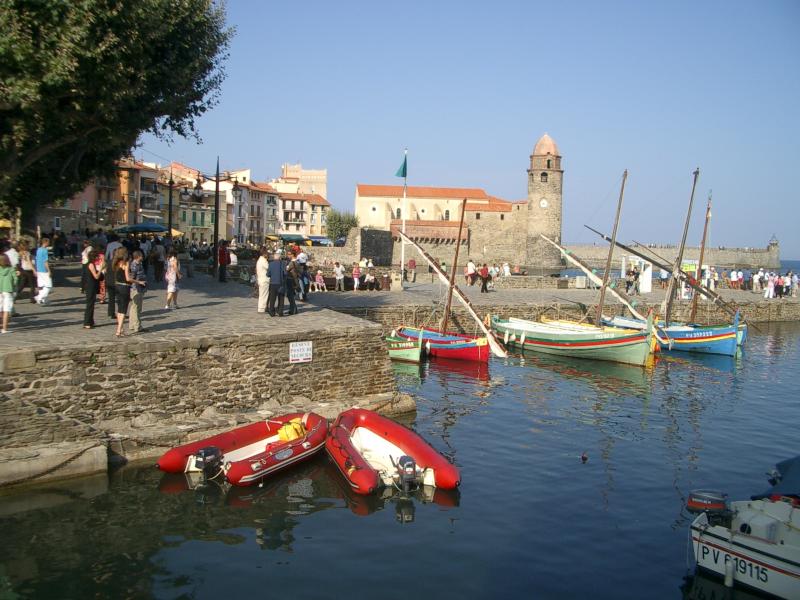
[262, 279]
[734, 279]
[13, 256]
[338, 272]
[741, 279]
[471, 272]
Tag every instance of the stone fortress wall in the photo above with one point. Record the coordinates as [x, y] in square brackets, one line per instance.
[722, 258]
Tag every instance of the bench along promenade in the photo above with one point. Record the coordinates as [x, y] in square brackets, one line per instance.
[73, 400]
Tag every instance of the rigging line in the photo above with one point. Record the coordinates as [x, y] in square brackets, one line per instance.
[604, 202]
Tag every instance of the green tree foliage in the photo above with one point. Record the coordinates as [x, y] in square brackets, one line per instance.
[81, 80]
[339, 223]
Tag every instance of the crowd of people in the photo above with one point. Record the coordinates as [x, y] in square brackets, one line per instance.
[115, 272]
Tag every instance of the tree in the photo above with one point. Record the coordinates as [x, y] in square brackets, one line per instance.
[81, 80]
[340, 223]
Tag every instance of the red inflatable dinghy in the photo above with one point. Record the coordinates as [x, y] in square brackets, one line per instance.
[251, 452]
[371, 450]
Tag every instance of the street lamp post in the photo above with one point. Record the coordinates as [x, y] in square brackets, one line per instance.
[198, 194]
[171, 184]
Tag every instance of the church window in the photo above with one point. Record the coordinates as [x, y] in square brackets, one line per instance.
[447, 215]
[398, 213]
[477, 216]
[544, 175]
[374, 208]
[502, 217]
[422, 210]
[548, 163]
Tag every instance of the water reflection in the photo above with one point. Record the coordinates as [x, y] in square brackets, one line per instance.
[701, 586]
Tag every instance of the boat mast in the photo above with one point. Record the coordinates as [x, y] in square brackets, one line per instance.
[679, 259]
[446, 316]
[693, 314]
[607, 272]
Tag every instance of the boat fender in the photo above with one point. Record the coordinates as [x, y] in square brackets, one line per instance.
[522, 339]
[304, 420]
[729, 573]
[394, 332]
[505, 338]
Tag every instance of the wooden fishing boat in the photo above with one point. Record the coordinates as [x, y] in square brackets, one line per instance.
[448, 345]
[683, 337]
[249, 453]
[372, 451]
[578, 340]
[753, 543]
[404, 349]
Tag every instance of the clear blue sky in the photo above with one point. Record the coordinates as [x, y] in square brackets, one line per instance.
[469, 87]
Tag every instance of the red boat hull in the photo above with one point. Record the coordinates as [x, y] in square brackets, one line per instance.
[361, 476]
[469, 347]
[275, 455]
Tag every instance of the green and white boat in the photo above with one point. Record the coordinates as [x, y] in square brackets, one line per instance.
[404, 349]
[577, 339]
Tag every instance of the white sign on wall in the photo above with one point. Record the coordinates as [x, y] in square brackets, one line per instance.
[300, 352]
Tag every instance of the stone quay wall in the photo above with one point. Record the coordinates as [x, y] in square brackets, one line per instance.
[134, 399]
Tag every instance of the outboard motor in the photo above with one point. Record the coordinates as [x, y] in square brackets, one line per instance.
[208, 461]
[713, 504]
[406, 473]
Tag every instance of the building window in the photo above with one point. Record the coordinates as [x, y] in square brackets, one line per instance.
[544, 175]
[194, 218]
[477, 216]
[202, 219]
[422, 210]
[57, 223]
[447, 215]
[548, 163]
[374, 208]
[502, 217]
[398, 213]
[212, 218]
[183, 216]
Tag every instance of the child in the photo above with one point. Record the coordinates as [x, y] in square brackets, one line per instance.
[320, 282]
[8, 285]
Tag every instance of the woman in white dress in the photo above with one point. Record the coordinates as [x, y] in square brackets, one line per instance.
[172, 276]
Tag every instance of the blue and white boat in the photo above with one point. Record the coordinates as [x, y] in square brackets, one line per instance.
[691, 337]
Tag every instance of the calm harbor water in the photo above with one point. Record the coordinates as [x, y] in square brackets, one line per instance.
[531, 519]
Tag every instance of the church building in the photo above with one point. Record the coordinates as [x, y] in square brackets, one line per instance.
[495, 230]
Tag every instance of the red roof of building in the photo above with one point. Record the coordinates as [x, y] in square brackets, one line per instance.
[477, 199]
[310, 198]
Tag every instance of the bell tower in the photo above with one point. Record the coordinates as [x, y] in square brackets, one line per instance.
[545, 177]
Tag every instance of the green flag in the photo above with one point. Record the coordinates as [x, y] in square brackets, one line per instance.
[403, 170]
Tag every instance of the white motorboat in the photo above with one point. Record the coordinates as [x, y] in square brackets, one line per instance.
[754, 543]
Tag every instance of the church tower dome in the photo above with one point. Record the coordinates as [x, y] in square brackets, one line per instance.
[546, 145]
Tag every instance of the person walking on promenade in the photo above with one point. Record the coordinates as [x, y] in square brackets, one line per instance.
[111, 291]
[277, 281]
[87, 248]
[44, 278]
[27, 277]
[338, 273]
[138, 286]
[484, 275]
[120, 275]
[157, 257]
[172, 276]
[8, 286]
[412, 269]
[292, 285]
[262, 279]
[91, 286]
[471, 272]
[224, 259]
[356, 276]
[769, 288]
[794, 285]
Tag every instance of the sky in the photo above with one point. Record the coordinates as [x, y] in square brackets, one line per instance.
[469, 87]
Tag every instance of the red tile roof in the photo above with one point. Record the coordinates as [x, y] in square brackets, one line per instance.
[396, 191]
[310, 198]
[477, 199]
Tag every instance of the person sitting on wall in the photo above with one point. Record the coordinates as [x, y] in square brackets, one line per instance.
[369, 281]
[319, 282]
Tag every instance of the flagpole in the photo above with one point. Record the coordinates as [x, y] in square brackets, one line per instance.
[403, 243]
